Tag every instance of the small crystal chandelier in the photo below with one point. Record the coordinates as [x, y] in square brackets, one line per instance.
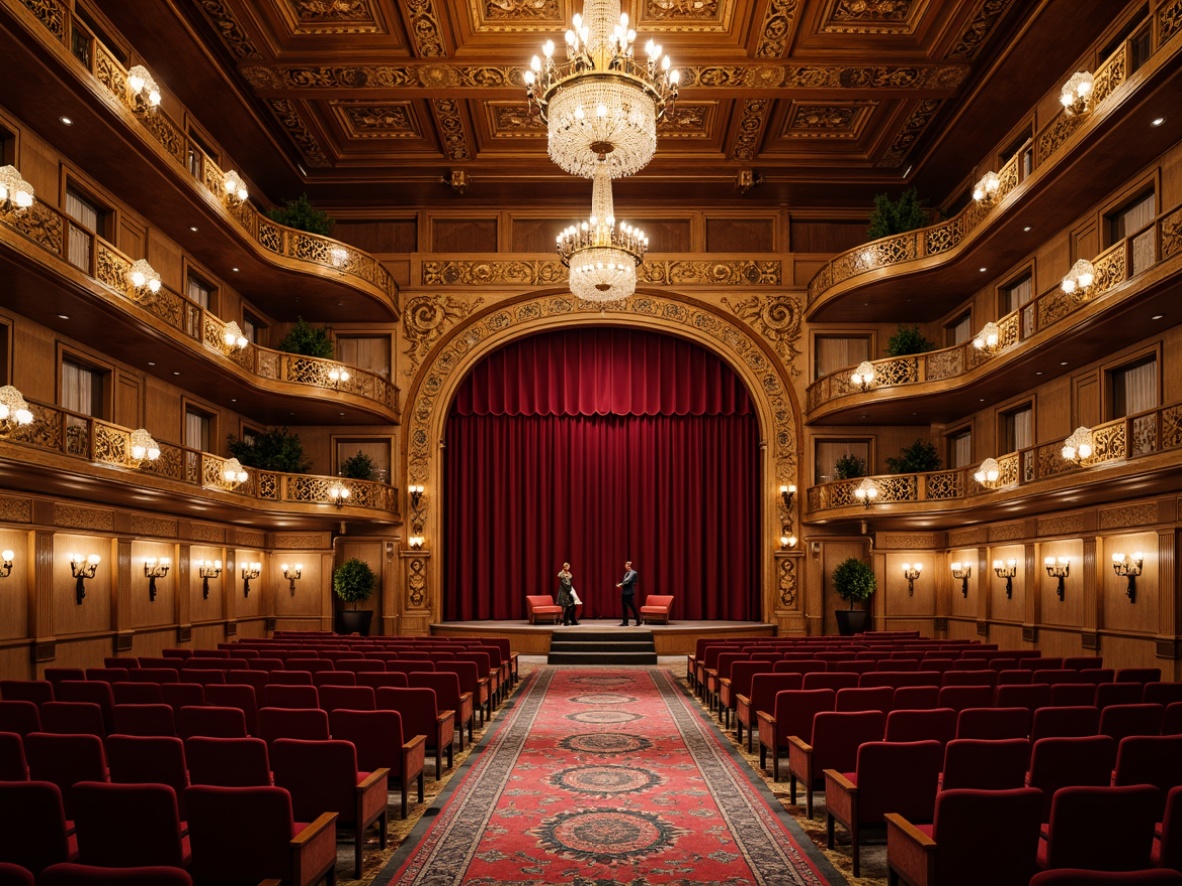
[1078, 447]
[15, 193]
[1076, 94]
[1080, 278]
[601, 104]
[602, 256]
[14, 411]
[143, 447]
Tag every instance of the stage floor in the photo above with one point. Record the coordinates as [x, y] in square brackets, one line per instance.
[677, 638]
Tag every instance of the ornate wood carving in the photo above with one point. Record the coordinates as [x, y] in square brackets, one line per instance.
[896, 541]
[305, 542]
[232, 33]
[827, 121]
[333, 16]
[752, 120]
[424, 29]
[872, 17]
[16, 510]
[1007, 532]
[787, 570]
[1169, 21]
[75, 517]
[924, 111]
[160, 527]
[369, 120]
[976, 32]
[777, 24]
[1140, 514]
[1061, 525]
[451, 128]
[426, 318]
[776, 318]
[249, 538]
[289, 118]
[972, 535]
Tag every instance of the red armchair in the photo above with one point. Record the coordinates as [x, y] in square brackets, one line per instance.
[656, 608]
[542, 608]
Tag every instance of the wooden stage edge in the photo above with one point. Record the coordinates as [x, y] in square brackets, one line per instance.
[678, 638]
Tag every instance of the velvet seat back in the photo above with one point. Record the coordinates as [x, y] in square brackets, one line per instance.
[900, 777]
[986, 838]
[321, 776]
[242, 832]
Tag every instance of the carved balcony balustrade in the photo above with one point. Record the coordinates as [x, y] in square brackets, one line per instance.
[926, 248]
[192, 325]
[302, 251]
[1153, 432]
[1141, 251]
[59, 432]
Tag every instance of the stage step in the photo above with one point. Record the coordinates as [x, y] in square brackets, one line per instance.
[603, 647]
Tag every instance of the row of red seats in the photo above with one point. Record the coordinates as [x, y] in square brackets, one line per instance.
[73, 874]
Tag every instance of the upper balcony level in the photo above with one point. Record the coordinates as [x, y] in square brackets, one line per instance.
[1130, 457]
[876, 282]
[1135, 279]
[79, 457]
[170, 333]
[66, 73]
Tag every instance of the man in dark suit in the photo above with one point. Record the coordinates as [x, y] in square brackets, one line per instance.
[628, 594]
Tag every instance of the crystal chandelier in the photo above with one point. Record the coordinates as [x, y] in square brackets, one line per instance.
[601, 104]
[602, 256]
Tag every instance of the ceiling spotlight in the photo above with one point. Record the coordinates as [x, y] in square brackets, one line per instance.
[1158, 121]
[66, 121]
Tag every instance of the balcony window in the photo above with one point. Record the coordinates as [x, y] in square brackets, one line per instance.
[377, 449]
[1133, 388]
[86, 218]
[254, 329]
[1017, 429]
[365, 352]
[829, 452]
[1014, 295]
[833, 353]
[959, 330]
[960, 448]
[1135, 220]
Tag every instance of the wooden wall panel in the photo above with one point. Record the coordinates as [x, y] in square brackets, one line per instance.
[464, 235]
[1133, 652]
[1069, 610]
[153, 642]
[253, 629]
[15, 664]
[14, 595]
[136, 610]
[83, 652]
[310, 588]
[94, 613]
[896, 602]
[1116, 612]
[537, 234]
[665, 235]
[1171, 177]
[962, 630]
[164, 255]
[807, 235]
[1007, 636]
[960, 606]
[742, 235]
[207, 636]
[129, 400]
[1063, 644]
[1087, 408]
[202, 609]
[379, 236]
[248, 606]
[1001, 607]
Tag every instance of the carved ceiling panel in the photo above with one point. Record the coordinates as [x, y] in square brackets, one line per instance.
[331, 16]
[872, 16]
[828, 120]
[366, 120]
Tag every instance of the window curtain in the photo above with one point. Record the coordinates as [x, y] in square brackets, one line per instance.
[835, 353]
[85, 223]
[962, 450]
[78, 385]
[829, 451]
[368, 353]
[1134, 389]
[1019, 428]
[596, 447]
[961, 331]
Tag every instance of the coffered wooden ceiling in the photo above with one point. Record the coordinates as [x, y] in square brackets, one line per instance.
[810, 96]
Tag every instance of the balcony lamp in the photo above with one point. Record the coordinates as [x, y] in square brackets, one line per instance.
[787, 542]
[1060, 568]
[14, 411]
[985, 191]
[416, 495]
[144, 89]
[143, 277]
[1076, 94]
[963, 571]
[863, 376]
[235, 188]
[207, 570]
[6, 566]
[416, 542]
[1006, 569]
[339, 493]
[340, 259]
[1128, 567]
[249, 571]
[866, 491]
[233, 473]
[911, 572]
[1078, 447]
[155, 569]
[1080, 278]
[16, 194]
[291, 573]
[989, 472]
[337, 375]
[144, 448]
[988, 338]
[787, 493]
[83, 569]
[232, 337]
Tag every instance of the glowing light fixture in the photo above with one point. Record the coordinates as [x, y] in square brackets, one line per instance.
[602, 256]
[866, 491]
[291, 573]
[988, 338]
[233, 472]
[1129, 567]
[207, 570]
[985, 191]
[964, 572]
[863, 376]
[14, 411]
[16, 194]
[1076, 94]
[232, 337]
[83, 569]
[911, 572]
[155, 569]
[1080, 278]
[144, 89]
[1060, 568]
[1078, 447]
[989, 472]
[235, 188]
[1006, 569]
[143, 276]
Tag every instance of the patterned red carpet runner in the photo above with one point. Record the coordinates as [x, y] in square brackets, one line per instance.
[601, 776]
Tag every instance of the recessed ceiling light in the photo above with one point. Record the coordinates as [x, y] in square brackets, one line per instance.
[340, 413]
[174, 372]
[1157, 316]
[291, 413]
[233, 399]
[66, 121]
[151, 362]
[193, 228]
[1027, 228]
[235, 270]
[1064, 363]
[1039, 372]
[63, 316]
[1158, 121]
[982, 400]
[982, 270]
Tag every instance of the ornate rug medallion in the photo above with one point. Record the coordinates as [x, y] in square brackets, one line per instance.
[604, 717]
[605, 781]
[607, 836]
[605, 743]
[604, 698]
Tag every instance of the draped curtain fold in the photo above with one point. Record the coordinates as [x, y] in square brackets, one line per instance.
[594, 447]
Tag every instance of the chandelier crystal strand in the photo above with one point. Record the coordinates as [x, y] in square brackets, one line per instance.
[601, 105]
[601, 256]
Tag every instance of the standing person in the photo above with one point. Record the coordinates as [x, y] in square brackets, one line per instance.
[566, 595]
[628, 594]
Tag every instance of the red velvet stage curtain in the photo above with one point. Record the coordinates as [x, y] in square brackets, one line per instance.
[596, 446]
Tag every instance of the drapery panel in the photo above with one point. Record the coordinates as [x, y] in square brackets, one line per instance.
[538, 476]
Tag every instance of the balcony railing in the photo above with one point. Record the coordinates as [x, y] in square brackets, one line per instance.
[54, 232]
[1135, 254]
[1146, 433]
[343, 260]
[940, 238]
[93, 440]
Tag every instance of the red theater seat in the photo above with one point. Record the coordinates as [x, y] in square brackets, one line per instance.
[228, 762]
[136, 759]
[985, 764]
[1100, 828]
[833, 745]
[421, 716]
[381, 744]
[85, 875]
[128, 825]
[21, 717]
[33, 825]
[1070, 761]
[13, 766]
[65, 760]
[307, 724]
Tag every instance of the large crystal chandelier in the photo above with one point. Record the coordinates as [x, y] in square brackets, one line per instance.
[602, 256]
[601, 105]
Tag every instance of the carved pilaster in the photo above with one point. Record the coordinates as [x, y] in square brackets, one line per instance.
[121, 593]
[416, 607]
[1169, 645]
[1032, 588]
[1090, 613]
[392, 603]
[789, 565]
[40, 596]
[180, 596]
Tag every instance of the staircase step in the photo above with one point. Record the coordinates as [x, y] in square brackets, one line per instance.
[603, 658]
[601, 646]
[580, 635]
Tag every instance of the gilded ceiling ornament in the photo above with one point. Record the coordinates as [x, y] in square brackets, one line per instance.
[424, 29]
[906, 137]
[522, 10]
[686, 121]
[286, 113]
[368, 119]
[514, 119]
[661, 10]
[869, 17]
[777, 24]
[427, 317]
[332, 10]
[451, 126]
[973, 37]
[777, 318]
[232, 33]
[751, 123]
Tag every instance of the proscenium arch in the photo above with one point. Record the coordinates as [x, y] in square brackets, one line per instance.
[471, 339]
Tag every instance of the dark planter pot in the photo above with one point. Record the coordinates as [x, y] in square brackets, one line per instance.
[354, 621]
[851, 621]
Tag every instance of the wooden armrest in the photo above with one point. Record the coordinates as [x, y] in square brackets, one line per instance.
[743, 699]
[445, 717]
[795, 741]
[465, 696]
[313, 830]
[765, 717]
[373, 778]
[724, 681]
[271, 883]
[841, 781]
[417, 740]
[894, 819]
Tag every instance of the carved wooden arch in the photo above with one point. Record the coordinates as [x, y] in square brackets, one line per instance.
[755, 336]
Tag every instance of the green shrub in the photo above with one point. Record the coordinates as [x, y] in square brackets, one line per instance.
[309, 340]
[303, 216]
[274, 450]
[353, 581]
[854, 581]
[918, 458]
[849, 466]
[359, 467]
[908, 340]
[897, 216]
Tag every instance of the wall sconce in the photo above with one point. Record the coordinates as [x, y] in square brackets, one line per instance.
[235, 187]
[863, 376]
[416, 495]
[787, 542]
[1007, 570]
[291, 573]
[14, 411]
[985, 191]
[155, 569]
[1078, 447]
[1076, 94]
[144, 89]
[16, 194]
[143, 448]
[866, 492]
[143, 277]
[988, 338]
[1130, 568]
[416, 542]
[1080, 278]
[233, 472]
[83, 569]
[787, 493]
[232, 338]
[1058, 568]
[989, 472]
[911, 572]
[249, 571]
[6, 566]
[963, 571]
[207, 570]
[340, 259]
[338, 374]
[339, 493]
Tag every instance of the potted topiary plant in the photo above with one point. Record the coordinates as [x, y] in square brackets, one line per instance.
[359, 467]
[918, 458]
[849, 466]
[277, 449]
[897, 216]
[353, 582]
[854, 582]
[303, 216]
[908, 340]
[309, 340]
